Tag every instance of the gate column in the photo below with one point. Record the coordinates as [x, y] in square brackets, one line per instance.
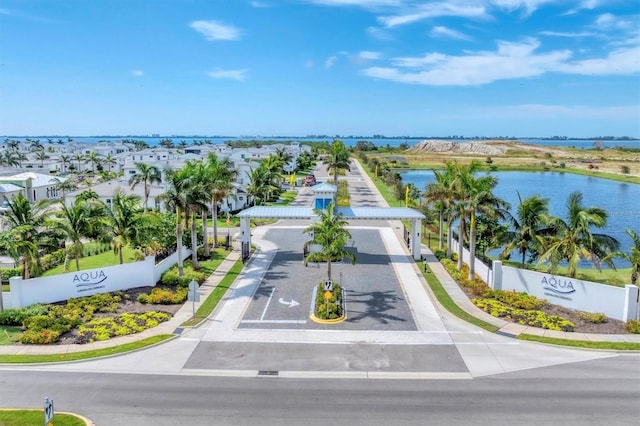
[416, 239]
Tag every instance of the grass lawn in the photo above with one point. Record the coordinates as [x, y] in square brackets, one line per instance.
[107, 258]
[76, 356]
[36, 417]
[9, 334]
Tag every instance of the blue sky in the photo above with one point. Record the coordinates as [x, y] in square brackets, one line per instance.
[297, 67]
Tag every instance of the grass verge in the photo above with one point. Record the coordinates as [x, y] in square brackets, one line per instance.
[9, 417]
[77, 356]
[585, 344]
[216, 295]
[108, 258]
[9, 334]
[448, 303]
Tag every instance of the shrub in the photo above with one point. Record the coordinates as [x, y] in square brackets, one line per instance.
[171, 277]
[40, 337]
[6, 273]
[519, 300]
[17, 316]
[329, 308]
[531, 318]
[633, 326]
[159, 296]
[120, 325]
[592, 317]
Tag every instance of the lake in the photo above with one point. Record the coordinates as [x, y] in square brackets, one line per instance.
[620, 200]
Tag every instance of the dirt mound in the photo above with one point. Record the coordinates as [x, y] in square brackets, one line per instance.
[481, 148]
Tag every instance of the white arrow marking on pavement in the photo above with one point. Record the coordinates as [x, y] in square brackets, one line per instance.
[291, 304]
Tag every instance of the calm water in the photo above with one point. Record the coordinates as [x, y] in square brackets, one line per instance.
[574, 143]
[620, 200]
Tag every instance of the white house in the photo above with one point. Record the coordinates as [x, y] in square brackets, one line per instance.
[35, 186]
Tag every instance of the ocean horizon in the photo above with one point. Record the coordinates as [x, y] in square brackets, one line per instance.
[348, 141]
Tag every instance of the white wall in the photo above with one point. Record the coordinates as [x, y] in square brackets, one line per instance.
[615, 302]
[481, 270]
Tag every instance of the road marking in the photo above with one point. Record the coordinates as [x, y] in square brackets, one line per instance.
[261, 321]
[264, 312]
[290, 304]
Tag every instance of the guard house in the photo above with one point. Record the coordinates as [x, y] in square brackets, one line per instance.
[323, 195]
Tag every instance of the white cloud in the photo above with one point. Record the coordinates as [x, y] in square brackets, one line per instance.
[529, 6]
[433, 10]
[328, 63]
[584, 5]
[568, 34]
[367, 4]
[509, 61]
[445, 32]
[369, 56]
[624, 61]
[137, 73]
[238, 75]
[214, 30]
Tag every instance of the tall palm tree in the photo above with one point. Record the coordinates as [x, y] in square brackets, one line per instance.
[338, 160]
[573, 239]
[175, 195]
[79, 158]
[331, 235]
[442, 194]
[218, 178]
[147, 175]
[28, 232]
[529, 227]
[262, 183]
[10, 159]
[124, 222]
[475, 197]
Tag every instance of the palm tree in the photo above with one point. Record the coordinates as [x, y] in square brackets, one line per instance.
[65, 185]
[442, 194]
[218, 177]
[338, 160]
[28, 232]
[262, 183]
[573, 239]
[41, 156]
[475, 197]
[65, 160]
[633, 256]
[110, 161]
[147, 175]
[331, 235]
[178, 183]
[95, 159]
[80, 159]
[124, 222]
[529, 227]
[74, 222]
[10, 159]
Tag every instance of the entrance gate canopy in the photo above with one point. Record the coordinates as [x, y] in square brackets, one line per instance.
[348, 213]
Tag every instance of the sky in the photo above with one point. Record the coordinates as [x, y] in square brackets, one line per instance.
[521, 68]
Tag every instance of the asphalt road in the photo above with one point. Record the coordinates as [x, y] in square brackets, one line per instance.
[601, 392]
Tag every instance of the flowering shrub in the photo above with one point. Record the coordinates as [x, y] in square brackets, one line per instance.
[532, 318]
[329, 308]
[592, 317]
[39, 337]
[120, 325]
[159, 296]
[519, 300]
[633, 326]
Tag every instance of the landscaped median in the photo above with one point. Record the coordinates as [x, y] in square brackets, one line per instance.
[21, 417]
